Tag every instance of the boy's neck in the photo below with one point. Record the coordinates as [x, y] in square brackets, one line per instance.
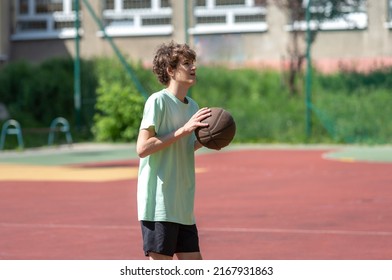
[178, 91]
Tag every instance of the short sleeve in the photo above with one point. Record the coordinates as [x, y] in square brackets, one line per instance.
[152, 113]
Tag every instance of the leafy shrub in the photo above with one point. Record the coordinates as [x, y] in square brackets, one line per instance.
[119, 105]
[36, 94]
[261, 107]
[348, 107]
[352, 106]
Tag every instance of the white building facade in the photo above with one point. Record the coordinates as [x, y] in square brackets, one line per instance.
[239, 33]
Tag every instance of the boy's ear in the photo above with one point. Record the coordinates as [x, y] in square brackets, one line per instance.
[170, 71]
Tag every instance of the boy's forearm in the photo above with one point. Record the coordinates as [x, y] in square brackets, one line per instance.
[155, 143]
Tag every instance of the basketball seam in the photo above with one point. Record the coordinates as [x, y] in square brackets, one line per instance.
[209, 130]
[217, 120]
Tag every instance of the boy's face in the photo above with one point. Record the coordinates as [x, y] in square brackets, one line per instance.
[185, 72]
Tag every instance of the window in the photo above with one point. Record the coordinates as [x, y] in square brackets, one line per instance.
[389, 23]
[229, 16]
[44, 19]
[352, 17]
[137, 17]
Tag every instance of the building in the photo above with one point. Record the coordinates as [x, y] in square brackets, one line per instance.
[234, 32]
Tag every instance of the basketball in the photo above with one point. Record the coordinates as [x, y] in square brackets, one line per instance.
[220, 130]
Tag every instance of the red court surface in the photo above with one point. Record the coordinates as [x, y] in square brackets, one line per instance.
[250, 204]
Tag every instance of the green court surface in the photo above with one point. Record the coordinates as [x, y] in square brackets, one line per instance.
[369, 154]
[75, 154]
[93, 152]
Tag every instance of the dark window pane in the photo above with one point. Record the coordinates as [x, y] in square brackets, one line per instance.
[156, 21]
[211, 20]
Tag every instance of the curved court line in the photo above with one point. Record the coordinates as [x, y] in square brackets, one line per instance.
[201, 229]
[301, 231]
[67, 226]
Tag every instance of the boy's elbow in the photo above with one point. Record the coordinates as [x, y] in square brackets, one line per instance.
[141, 152]
[143, 145]
[142, 155]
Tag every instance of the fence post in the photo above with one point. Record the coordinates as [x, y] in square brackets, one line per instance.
[308, 82]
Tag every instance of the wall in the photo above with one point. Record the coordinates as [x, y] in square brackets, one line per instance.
[360, 48]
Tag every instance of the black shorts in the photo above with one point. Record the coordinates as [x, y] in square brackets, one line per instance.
[168, 238]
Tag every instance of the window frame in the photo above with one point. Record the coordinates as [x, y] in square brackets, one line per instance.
[136, 28]
[229, 12]
[50, 19]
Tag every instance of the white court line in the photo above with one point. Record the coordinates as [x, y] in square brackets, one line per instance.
[201, 229]
[67, 226]
[300, 231]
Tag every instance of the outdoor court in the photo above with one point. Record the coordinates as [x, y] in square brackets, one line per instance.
[252, 202]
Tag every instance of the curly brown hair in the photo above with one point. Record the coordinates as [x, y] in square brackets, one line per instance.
[168, 55]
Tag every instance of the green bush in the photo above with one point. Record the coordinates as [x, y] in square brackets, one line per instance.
[352, 106]
[347, 107]
[262, 108]
[119, 105]
[36, 94]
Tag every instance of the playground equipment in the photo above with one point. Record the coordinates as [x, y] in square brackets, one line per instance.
[12, 127]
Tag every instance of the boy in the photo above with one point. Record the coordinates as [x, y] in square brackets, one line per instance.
[166, 146]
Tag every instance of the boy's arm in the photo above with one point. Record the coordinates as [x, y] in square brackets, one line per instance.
[148, 143]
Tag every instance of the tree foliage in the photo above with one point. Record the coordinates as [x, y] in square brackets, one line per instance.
[119, 105]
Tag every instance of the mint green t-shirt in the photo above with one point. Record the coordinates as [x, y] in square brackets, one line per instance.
[166, 181]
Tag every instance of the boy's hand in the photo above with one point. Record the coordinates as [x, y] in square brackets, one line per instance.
[196, 120]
